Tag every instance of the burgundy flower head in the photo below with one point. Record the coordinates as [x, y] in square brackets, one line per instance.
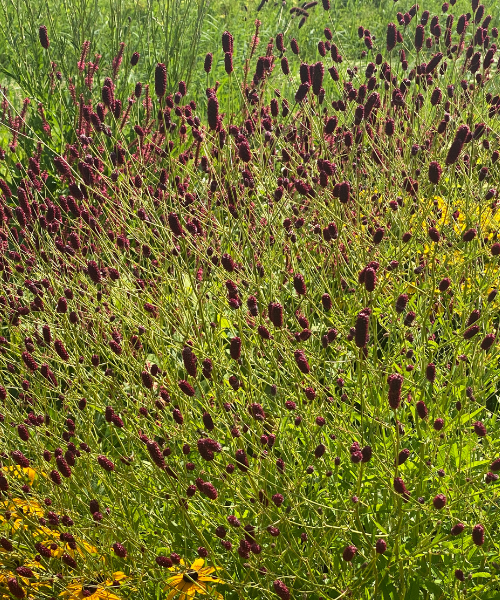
[301, 361]
[478, 535]
[395, 382]
[160, 80]
[457, 529]
[439, 501]
[349, 553]
[207, 447]
[44, 37]
[241, 460]
[361, 328]
[281, 590]
[187, 388]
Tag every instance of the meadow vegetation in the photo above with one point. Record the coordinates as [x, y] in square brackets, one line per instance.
[249, 323]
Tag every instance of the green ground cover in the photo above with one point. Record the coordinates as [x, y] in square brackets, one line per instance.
[249, 313]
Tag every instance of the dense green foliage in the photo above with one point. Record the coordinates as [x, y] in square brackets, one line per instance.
[253, 322]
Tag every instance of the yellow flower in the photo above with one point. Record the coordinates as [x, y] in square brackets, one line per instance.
[25, 582]
[21, 472]
[20, 509]
[189, 581]
[97, 588]
[47, 534]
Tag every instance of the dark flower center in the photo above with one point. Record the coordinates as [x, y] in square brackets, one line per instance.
[190, 576]
[90, 588]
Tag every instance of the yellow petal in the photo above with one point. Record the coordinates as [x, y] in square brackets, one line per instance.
[211, 579]
[73, 591]
[173, 584]
[88, 547]
[186, 595]
[186, 585]
[198, 563]
[206, 571]
[105, 595]
[172, 594]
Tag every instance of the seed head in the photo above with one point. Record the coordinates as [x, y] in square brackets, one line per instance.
[241, 460]
[395, 382]
[480, 429]
[160, 80]
[235, 348]
[471, 332]
[19, 458]
[469, 235]
[228, 63]
[233, 521]
[478, 535]
[29, 361]
[457, 145]
[430, 372]
[93, 271]
[213, 112]
[61, 350]
[403, 456]
[344, 191]
[164, 561]
[434, 234]
[187, 388]
[55, 477]
[299, 284]
[439, 501]
[281, 590]
[209, 490]
[63, 467]
[207, 65]
[15, 588]
[391, 36]
[434, 172]
[401, 303]
[44, 37]
[227, 42]
[275, 312]
[301, 361]
[370, 278]
[349, 553]
[190, 360]
[366, 453]
[119, 550]
[457, 529]
[105, 463]
[301, 93]
[399, 486]
[421, 409]
[361, 328]
[317, 78]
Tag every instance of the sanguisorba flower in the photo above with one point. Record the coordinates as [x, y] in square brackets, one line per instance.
[160, 80]
[189, 581]
[96, 588]
[44, 37]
